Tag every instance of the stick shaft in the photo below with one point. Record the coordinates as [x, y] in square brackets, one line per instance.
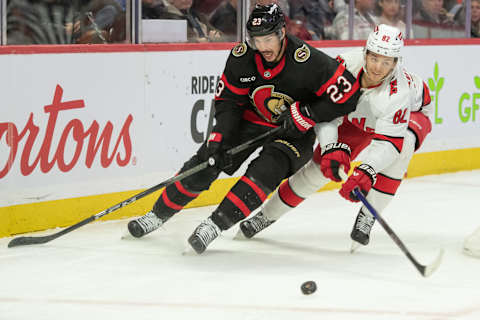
[389, 231]
[19, 241]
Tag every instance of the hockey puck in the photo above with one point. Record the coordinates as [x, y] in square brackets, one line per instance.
[308, 287]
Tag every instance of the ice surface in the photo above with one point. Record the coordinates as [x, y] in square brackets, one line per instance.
[92, 274]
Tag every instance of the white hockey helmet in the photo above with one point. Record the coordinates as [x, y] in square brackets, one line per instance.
[386, 41]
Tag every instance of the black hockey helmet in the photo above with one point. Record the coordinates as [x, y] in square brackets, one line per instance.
[265, 20]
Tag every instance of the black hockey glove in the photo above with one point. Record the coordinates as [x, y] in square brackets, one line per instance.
[296, 120]
[214, 152]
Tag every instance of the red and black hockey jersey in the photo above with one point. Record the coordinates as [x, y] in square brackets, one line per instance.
[257, 91]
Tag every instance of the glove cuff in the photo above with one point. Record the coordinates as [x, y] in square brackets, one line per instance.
[331, 147]
[214, 137]
[302, 122]
[369, 171]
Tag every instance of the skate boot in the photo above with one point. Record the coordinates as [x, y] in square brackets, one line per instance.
[144, 224]
[362, 227]
[254, 225]
[205, 233]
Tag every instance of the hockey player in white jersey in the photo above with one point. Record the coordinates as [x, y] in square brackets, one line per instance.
[389, 125]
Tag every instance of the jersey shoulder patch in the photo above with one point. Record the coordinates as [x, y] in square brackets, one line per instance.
[302, 54]
[239, 50]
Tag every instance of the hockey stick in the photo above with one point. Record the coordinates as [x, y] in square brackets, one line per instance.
[425, 270]
[22, 241]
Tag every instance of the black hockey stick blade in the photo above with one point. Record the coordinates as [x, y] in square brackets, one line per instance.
[28, 240]
[425, 270]
[23, 241]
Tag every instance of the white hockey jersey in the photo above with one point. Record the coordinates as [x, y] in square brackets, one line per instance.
[384, 110]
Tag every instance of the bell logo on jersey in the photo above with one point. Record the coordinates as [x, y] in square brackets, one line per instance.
[269, 103]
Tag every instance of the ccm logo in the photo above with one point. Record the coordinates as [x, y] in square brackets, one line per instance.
[248, 79]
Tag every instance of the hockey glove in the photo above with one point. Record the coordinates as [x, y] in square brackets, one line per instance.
[335, 155]
[296, 120]
[420, 125]
[363, 177]
[214, 153]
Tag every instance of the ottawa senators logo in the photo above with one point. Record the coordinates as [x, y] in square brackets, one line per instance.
[239, 50]
[270, 104]
[302, 54]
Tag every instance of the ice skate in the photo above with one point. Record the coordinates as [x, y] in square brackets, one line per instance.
[361, 228]
[144, 224]
[254, 225]
[203, 235]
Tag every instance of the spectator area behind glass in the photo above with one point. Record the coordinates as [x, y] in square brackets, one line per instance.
[164, 30]
[66, 22]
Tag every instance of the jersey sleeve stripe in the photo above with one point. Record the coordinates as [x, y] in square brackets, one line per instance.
[395, 141]
[426, 100]
[333, 79]
[236, 90]
[386, 184]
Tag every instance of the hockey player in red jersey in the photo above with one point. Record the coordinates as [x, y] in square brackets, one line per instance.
[389, 125]
[267, 82]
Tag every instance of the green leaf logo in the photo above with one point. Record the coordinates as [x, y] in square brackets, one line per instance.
[477, 81]
[435, 72]
[440, 84]
[435, 85]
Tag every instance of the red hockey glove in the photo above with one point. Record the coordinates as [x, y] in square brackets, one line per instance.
[335, 155]
[214, 152]
[363, 177]
[420, 125]
[296, 121]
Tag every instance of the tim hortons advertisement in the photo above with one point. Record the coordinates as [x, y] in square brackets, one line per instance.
[68, 130]
[91, 138]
